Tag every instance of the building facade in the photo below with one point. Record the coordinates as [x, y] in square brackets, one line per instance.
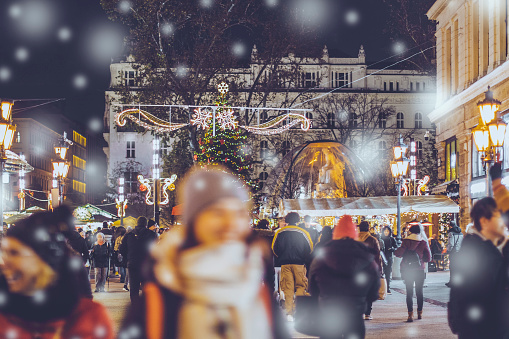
[403, 99]
[472, 51]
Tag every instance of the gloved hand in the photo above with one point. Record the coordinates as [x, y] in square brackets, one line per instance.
[496, 171]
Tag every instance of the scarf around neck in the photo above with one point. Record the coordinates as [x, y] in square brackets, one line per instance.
[221, 286]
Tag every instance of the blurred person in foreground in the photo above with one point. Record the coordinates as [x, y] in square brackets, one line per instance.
[292, 245]
[41, 285]
[478, 299]
[390, 246]
[415, 253]
[207, 276]
[345, 277]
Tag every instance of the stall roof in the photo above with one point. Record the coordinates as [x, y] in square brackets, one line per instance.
[369, 205]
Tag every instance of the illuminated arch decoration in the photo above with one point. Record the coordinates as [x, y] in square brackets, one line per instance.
[422, 185]
[404, 186]
[204, 117]
[166, 184]
[121, 207]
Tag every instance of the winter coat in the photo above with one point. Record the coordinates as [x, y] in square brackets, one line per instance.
[292, 245]
[415, 243]
[390, 246]
[101, 255]
[373, 244]
[313, 233]
[78, 244]
[455, 237]
[87, 320]
[477, 287]
[435, 247]
[334, 275]
[136, 244]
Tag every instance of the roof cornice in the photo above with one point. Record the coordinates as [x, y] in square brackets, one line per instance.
[436, 9]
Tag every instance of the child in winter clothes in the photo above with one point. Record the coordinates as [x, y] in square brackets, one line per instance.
[207, 278]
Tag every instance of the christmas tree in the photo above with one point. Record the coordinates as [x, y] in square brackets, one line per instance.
[443, 228]
[225, 148]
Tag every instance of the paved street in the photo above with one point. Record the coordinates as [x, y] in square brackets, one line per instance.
[389, 315]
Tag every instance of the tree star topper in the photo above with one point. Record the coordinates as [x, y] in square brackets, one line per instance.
[223, 88]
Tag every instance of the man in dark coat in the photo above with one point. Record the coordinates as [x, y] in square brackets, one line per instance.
[373, 245]
[135, 247]
[478, 281]
[345, 277]
[292, 246]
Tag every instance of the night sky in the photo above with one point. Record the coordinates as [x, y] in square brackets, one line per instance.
[63, 48]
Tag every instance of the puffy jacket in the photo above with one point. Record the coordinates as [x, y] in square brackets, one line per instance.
[390, 246]
[292, 245]
[136, 244]
[334, 276]
[415, 243]
[101, 255]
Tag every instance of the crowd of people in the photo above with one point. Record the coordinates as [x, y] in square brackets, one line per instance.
[219, 277]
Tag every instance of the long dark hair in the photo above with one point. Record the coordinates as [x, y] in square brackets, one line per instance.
[383, 232]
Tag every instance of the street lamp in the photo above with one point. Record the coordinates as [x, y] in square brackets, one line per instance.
[489, 134]
[399, 168]
[60, 165]
[6, 137]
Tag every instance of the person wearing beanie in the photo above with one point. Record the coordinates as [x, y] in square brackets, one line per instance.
[415, 253]
[334, 280]
[374, 245]
[292, 246]
[135, 248]
[211, 278]
[40, 284]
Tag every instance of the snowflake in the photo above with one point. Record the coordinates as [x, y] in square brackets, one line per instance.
[201, 118]
[226, 119]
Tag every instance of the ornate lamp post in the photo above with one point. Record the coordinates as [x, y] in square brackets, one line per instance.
[489, 134]
[399, 168]
[60, 165]
[6, 137]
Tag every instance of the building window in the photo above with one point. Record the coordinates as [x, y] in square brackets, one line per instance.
[310, 79]
[423, 86]
[417, 86]
[397, 86]
[352, 120]
[418, 120]
[78, 162]
[18, 137]
[130, 150]
[382, 120]
[129, 78]
[309, 115]
[264, 149]
[400, 120]
[264, 117]
[419, 149]
[451, 160]
[411, 87]
[382, 148]
[79, 139]
[286, 147]
[391, 86]
[331, 120]
[263, 178]
[131, 182]
[385, 86]
[340, 80]
[79, 186]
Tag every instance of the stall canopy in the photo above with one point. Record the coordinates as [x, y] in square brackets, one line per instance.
[368, 205]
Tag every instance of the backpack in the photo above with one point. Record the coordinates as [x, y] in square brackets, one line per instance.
[410, 261]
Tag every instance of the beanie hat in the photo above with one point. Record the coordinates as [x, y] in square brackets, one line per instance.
[415, 229]
[40, 232]
[364, 226]
[205, 187]
[345, 228]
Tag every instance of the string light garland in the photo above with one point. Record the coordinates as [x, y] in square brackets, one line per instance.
[146, 183]
[168, 184]
[422, 185]
[157, 125]
[121, 207]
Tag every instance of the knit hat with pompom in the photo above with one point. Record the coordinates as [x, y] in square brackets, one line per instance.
[345, 228]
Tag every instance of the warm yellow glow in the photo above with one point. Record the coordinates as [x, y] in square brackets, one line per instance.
[399, 152]
[488, 112]
[60, 169]
[497, 132]
[61, 152]
[6, 110]
[9, 137]
[481, 138]
[399, 168]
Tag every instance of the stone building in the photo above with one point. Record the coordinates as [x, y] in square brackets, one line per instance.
[472, 51]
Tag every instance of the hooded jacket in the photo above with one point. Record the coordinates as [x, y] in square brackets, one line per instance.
[455, 237]
[346, 274]
[478, 285]
[415, 243]
[373, 244]
[292, 245]
[135, 245]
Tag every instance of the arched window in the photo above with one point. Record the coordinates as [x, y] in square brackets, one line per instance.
[264, 117]
[419, 149]
[264, 149]
[382, 148]
[400, 120]
[352, 120]
[331, 120]
[286, 147]
[418, 120]
[382, 120]
[309, 115]
[263, 178]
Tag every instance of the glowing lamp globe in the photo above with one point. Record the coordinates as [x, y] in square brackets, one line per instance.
[497, 130]
[6, 107]
[6, 135]
[488, 107]
[481, 138]
[399, 168]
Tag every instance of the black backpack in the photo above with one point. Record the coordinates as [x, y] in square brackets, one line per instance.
[410, 261]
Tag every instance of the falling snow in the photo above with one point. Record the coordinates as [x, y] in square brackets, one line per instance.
[239, 49]
[352, 17]
[206, 3]
[95, 125]
[200, 184]
[100, 331]
[124, 7]
[474, 313]
[5, 74]
[15, 11]
[21, 54]
[398, 47]
[64, 34]
[166, 29]
[75, 263]
[41, 235]
[3, 298]
[361, 278]
[11, 334]
[271, 3]
[181, 71]
[39, 297]
[80, 81]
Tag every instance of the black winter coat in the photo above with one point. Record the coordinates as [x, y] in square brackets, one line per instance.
[292, 245]
[478, 290]
[101, 255]
[78, 244]
[136, 244]
[346, 275]
[390, 246]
